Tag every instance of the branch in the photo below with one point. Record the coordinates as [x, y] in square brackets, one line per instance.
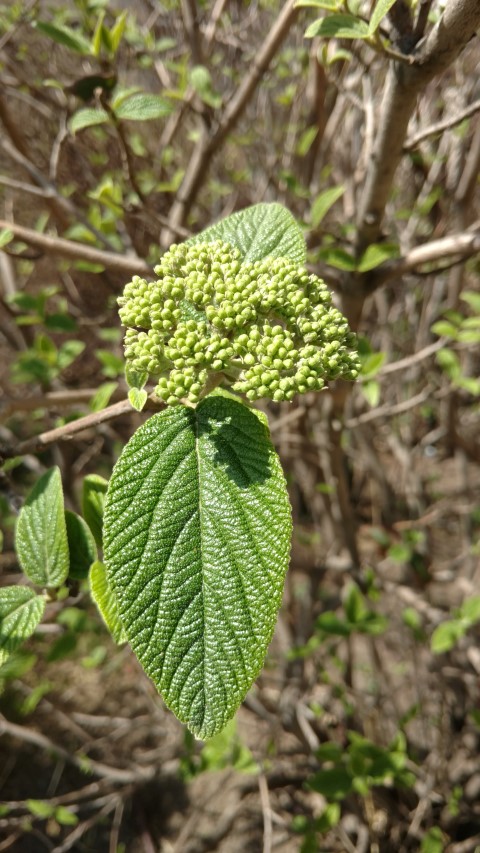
[50, 400]
[462, 245]
[66, 432]
[209, 142]
[441, 47]
[78, 251]
[440, 126]
[115, 774]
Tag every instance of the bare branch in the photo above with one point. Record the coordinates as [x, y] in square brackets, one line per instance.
[209, 142]
[66, 432]
[78, 251]
[462, 245]
[440, 48]
[440, 126]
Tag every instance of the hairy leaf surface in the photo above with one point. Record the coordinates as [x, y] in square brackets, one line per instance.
[41, 534]
[20, 612]
[260, 231]
[197, 534]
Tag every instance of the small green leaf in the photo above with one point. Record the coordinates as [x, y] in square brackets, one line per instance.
[330, 5]
[306, 141]
[330, 623]
[260, 231]
[6, 237]
[65, 816]
[135, 378]
[41, 534]
[372, 363]
[201, 80]
[446, 636]
[141, 107]
[65, 36]
[98, 39]
[376, 254]
[137, 398]
[106, 602]
[87, 117]
[371, 391]
[338, 26]
[39, 808]
[470, 609]
[117, 31]
[473, 299]
[93, 498]
[102, 396]
[335, 783]
[382, 7]
[324, 202]
[338, 258]
[197, 535]
[81, 544]
[443, 328]
[21, 609]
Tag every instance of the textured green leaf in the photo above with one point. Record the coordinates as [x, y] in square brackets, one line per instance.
[260, 231]
[93, 499]
[382, 7]
[197, 534]
[87, 117]
[41, 534]
[143, 107]
[81, 545]
[20, 612]
[106, 602]
[338, 26]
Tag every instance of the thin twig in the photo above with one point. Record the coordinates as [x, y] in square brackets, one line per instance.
[440, 126]
[267, 814]
[389, 411]
[50, 400]
[85, 765]
[410, 360]
[68, 431]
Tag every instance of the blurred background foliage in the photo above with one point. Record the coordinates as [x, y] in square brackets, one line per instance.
[125, 127]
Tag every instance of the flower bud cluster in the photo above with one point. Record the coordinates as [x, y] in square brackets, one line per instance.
[266, 329]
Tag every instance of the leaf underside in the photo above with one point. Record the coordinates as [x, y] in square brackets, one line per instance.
[260, 231]
[197, 537]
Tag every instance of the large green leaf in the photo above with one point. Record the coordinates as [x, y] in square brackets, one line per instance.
[41, 534]
[260, 231]
[20, 612]
[197, 533]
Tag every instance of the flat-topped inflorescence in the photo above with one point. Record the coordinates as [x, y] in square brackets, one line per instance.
[265, 329]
